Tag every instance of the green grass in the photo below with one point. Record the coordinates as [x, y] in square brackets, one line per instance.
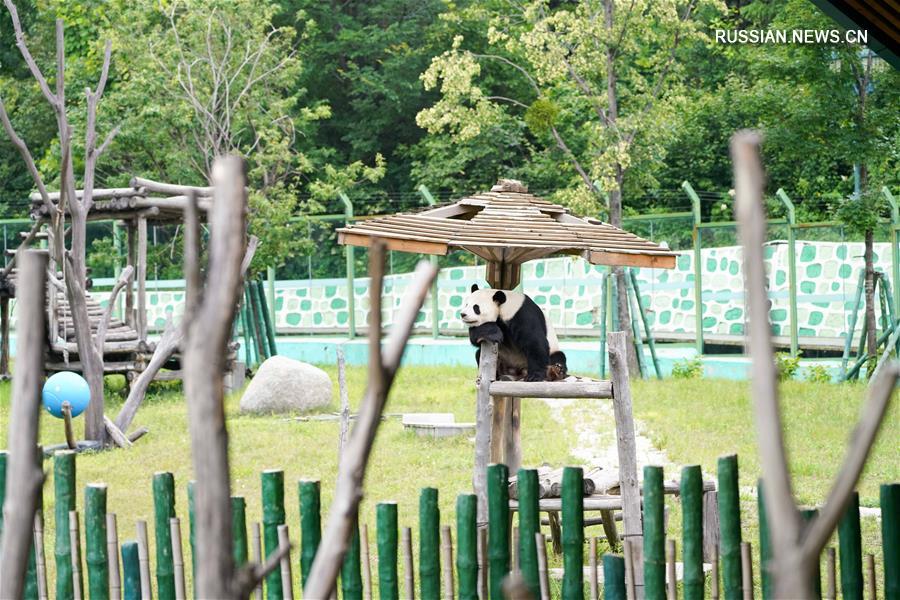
[693, 421]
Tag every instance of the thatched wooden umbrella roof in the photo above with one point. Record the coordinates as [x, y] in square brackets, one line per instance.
[507, 225]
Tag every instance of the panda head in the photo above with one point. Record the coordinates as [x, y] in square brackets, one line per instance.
[482, 306]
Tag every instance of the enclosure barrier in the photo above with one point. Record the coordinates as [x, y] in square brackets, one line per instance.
[114, 568]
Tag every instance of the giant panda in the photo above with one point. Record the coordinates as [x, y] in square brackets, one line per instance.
[528, 343]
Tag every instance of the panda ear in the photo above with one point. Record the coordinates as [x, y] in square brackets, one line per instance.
[474, 287]
[499, 297]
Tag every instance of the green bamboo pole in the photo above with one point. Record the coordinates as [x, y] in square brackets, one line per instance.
[654, 534]
[466, 547]
[267, 318]
[498, 527]
[529, 526]
[64, 493]
[636, 330]
[730, 527]
[273, 516]
[131, 571]
[851, 327]
[850, 551]
[573, 533]
[239, 529]
[310, 524]
[808, 515]
[890, 541]
[351, 576]
[258, 342]
[163, 510]
[95, 538]
[692, 531]
[429, 544]
[765, 545]
[386, 521]
[256, 304]
[613, 577]
[698, 264]
[191, 537]
[650, 343]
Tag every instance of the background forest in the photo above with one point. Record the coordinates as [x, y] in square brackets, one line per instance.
[375, 98]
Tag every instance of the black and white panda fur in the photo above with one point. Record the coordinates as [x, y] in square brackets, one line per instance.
[528, 343]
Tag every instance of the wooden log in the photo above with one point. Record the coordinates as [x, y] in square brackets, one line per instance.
[284, 543]
[121, 440]
[177, 558]
[555, 530]
[409, 579]
[112, 553]
[627, 453]
[747, 571]
[366, 562]
[467, 546]
[608, 520]
[593, 582]
[552, 389]
[628, 551]
[169, 189]
[671, 579]
[714, 574]
[141, 278]
[447, 561]
[24, 475]
[710, 525]
[498, 527]
[654, 534]
[429, 543]
[143, 541]
[573, 533]
[543, 575]
[487, 372]
[512, 451]
[75, 545]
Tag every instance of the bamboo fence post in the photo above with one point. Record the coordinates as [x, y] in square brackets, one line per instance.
[573, 532]
[64, 494]
[163, 510]
[747, 570]
[239, 529]
[95, 537]
[351, 581]
[730, 526]
[592, 564]
[75, 545]
[613, 577]
[257, 557]
[467, 546]
[284, 543]
[628, 552]
[765, 547]
[40, 558]
[870, 577]
[366, 562]
[447, 561]
[831, 573]
[273, 516]
[498, 528]
[429, 544]
[177, 558]
[809, 515]
[386, 522]
[310, 524]
[714, 575]
[543, 575]
[131, 571]
[694, 580]
[654, 534]
[482, 562]
[144, 559]
[850, 551]
[112, 552]
[889, 496]
[529, 525]
[409, 579]
[671, 581]
[31, 591]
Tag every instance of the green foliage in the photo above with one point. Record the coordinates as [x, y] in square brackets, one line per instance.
[818, 374]
[786, 366]
[541, 116]
[860, 214]
[689, 368]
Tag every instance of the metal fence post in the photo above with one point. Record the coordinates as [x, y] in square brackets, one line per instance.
[435, 311]
[895, 248]
[698, 264]
[792, 269]
[351, 268]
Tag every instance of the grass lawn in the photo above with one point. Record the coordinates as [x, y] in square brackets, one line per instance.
[692, 421]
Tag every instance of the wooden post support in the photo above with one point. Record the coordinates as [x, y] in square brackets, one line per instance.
[141, 320]
[273, 516]
[487, 373]
[64, 493]
[131, 571]
[144, 559]
[4, 337]
[654, 534]
[850, 551]
[239, 529]
[177, 558]
[75, 545]
[730, 526]
[573, 532]
[284, 543]
[627, 453]
[257, 556]
[692, 532]
[747, 571]
[889, 495]
[351, 579]
[543, 575]
[163, 510]
[831, 573]
[95, 538]
[112, 553]
[386, 522]
[429, 543]
[467, 546]
[310, 524]
[593, 575]
[498, 528]
[529, 525]
[409, 576]
[366, 562]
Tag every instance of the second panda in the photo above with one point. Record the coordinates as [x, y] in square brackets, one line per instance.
[528, 343]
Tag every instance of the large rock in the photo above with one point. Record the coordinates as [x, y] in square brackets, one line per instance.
[285, 385]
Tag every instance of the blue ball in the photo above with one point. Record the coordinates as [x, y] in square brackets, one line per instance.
[66, 386]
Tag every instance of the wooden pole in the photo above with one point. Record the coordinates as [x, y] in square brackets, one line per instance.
[871, 593]
[409, 579]
[543, 577]
[163, 510]
[177, 558]
[345, 400]
[467, 546]
[144, 559]
[310, 524]
[366, 562]
[239, 529]
[498, 527]
[141, 321]
[831, 573]
[692, 532]
[429, 543]
[529, 525]
[730, 526]
[630, 585]
[714, 575]
[75, 545]
[573, 532]
[24, 475]
[95, 538]
[112, 553]
[484, 429]
[64, 494]
[625, 441]
[257, 557]
[482, 562]
[889, 495]
[273, 516]
[613, 577]
[654, 533]
[4, 336]
[592, 571]
[671, 581]
[40, 558]
[386, 520]
[747, 570]
[131, 571]
[284, 543]
[351, 580]
[447, 561]
[850, 544]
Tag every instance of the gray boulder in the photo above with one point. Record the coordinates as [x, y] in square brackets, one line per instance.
[285, 385]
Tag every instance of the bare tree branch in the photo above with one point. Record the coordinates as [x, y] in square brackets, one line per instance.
[26, 54]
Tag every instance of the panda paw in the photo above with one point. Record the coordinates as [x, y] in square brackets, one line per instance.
[535, 377]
